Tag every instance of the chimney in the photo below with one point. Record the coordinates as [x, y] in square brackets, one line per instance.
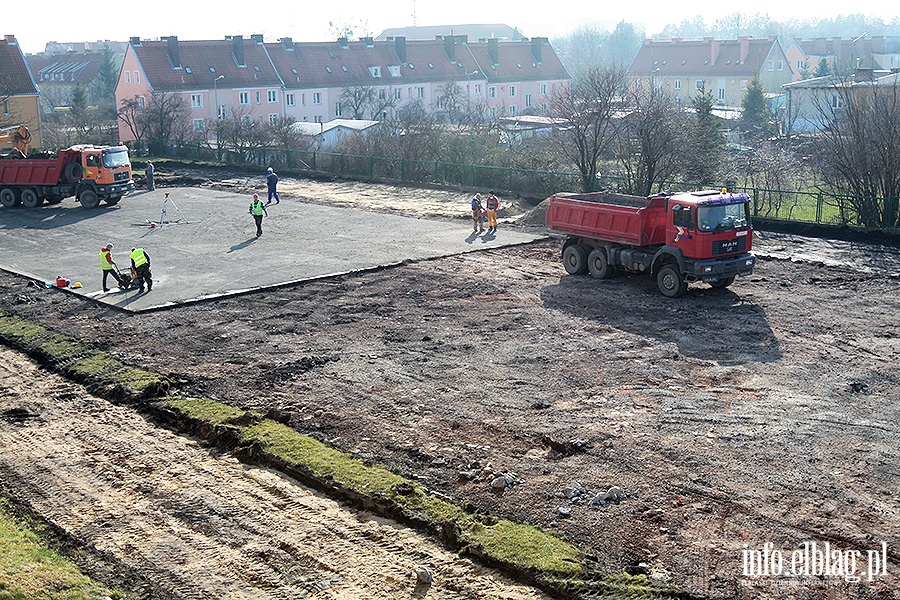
[745, 46]
[368, 42]
[536, 47]
[10, 39]
[135, 41]
[400, 48]
[237, 48]
[714, 45]
[257, 38]
[287, 43]
[450, 47]
[174, 56]
[494, 50]
[343, 42]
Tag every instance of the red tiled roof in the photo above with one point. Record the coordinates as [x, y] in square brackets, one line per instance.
[336, 64]
[708, 57]
[201, 62]
[15, 79]
[70, 68]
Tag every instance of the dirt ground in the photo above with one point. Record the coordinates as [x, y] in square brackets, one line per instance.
[765, 412]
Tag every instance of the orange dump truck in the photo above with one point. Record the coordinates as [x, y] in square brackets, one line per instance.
[92, 174]
[677, 238]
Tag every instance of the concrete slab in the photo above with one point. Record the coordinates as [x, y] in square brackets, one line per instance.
[207, 246]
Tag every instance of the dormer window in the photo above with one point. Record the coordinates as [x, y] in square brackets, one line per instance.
[188, 70]
[255, 68]
[212, 69]
[375, 71]
[331, 55]
[344, 68]
[394, 70]
[328, 69]
[294, 71]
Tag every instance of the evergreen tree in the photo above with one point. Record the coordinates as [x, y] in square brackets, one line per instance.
[757, 118]
[704, 147]
[822, 70]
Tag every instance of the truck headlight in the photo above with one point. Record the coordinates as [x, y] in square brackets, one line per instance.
[749, 262]
[707, 270]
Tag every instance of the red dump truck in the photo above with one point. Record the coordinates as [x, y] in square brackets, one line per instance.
[677, 238]
[89, 173]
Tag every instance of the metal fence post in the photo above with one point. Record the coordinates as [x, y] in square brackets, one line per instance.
[819, 202]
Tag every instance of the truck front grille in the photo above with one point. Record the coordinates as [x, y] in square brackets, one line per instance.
[124, 176]
[729, 246]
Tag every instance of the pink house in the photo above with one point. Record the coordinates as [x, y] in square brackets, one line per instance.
[266, 81]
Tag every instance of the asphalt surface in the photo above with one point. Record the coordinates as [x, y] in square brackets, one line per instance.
[207, 247]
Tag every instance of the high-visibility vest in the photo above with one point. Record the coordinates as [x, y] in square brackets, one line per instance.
[139, 257]
[257, 207]
[104, 262]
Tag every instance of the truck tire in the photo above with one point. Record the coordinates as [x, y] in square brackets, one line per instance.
[72, 172]
[89, 199]
[113, 200]
[670, 281]
[8, 197]
[30, 198]
[598, 264]
[724, 282]
[574, 259]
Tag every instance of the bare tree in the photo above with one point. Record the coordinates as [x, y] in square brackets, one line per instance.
[860, 148]
[649, 141]
[130, 113]
[357, 100]
[166, 117]
[589, 106]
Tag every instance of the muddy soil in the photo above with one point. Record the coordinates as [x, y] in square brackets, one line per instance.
[766, 412]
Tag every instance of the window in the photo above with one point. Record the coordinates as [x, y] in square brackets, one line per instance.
[682, 216]
[512, 91]
[127, 77]
[272, 96]
[289, 99]
[273, 118]
[420, 91]
[512, 110]
[375, 71]
[721, 96]
[137, 76]
[527, 100]
[141, 101]
[198, 124]
[196, 100]
[493, 111]
[317, 119]
[382, 94]
[302, 99]
[836, 101]
[337, 109]
[771, 65]
[743, 84]
[492, 92]
[799, 65]
[677, 84]
[221, 113]
[317, 97]
[781, 65]
[698, 84]
[394, 70]
[246, 119]
[6, 107]
[543, 89]
[244, 98]
[259, 97]
[398, 94]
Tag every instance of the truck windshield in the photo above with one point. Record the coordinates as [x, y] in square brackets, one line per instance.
[117, 157]
[721, 217]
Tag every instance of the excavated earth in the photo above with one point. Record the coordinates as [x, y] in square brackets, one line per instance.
[766, 412]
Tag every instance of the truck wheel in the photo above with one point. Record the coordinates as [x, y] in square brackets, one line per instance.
[89, 199]
[575, 259]
[723, 282]
[30, 199]
[598, 264]
[671, 282]
[72, 172]
[8, 197]
[113, 200]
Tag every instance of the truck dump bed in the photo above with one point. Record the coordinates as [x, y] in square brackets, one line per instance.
[27, 171]
[631, 220]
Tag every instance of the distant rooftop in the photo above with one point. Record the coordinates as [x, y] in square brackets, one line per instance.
[474, 32]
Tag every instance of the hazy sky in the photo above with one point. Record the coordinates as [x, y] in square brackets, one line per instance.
[308, 21]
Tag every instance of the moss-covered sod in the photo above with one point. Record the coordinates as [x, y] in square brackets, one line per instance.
[540, 557]
[29, 569]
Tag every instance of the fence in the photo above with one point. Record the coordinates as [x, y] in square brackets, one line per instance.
[785, 205]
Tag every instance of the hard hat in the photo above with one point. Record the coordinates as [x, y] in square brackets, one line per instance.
[270, 169]
[77, 284]
[256, 196]
[109, 246]
[133, 249]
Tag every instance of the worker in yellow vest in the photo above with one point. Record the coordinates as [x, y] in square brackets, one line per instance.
[108, 266]
[140, 266]
[258, 209]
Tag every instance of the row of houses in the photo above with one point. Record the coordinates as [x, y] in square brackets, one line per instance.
[255, 80]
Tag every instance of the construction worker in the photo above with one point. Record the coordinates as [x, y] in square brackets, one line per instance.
[108, 266]
[140, 266]
[493, 203]
[272, 183]
[258, 209]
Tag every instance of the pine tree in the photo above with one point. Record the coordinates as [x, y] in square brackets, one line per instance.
[757, 118]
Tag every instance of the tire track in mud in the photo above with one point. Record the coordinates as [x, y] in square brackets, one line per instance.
[193, 523]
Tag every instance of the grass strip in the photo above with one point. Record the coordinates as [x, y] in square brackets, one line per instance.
[29, 569]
